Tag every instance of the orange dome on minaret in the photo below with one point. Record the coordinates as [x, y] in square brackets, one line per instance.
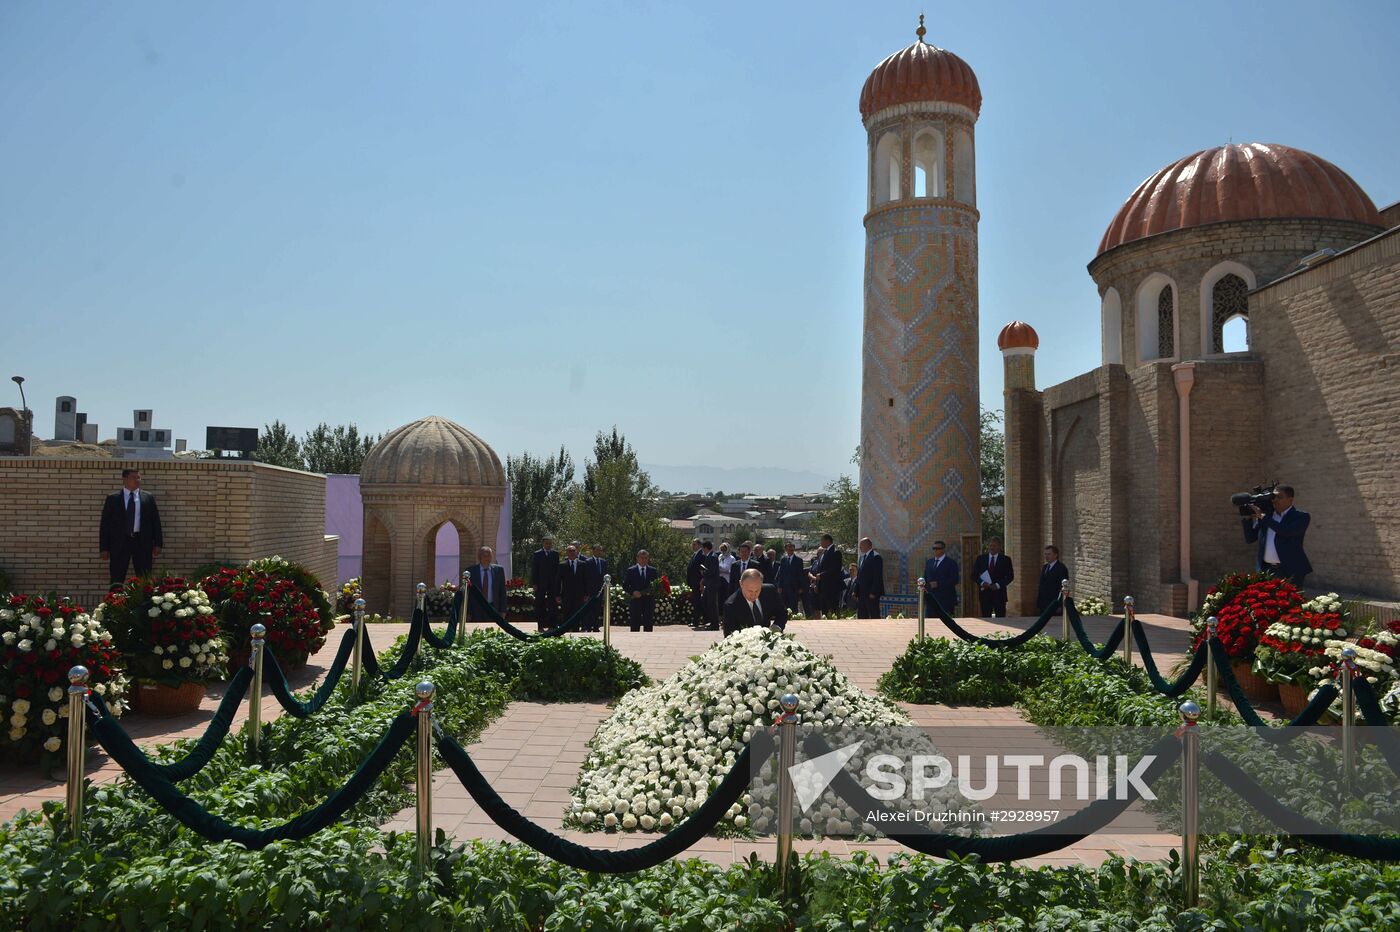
[1018, 335]
[922, 72]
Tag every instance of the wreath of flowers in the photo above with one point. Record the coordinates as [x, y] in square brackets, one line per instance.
[41, 639]
[1289, 648]
[253, 594]
[345, 598]
[166, 630]
[438, 600]
[1245, 605]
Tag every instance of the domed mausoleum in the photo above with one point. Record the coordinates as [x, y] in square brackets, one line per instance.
[1250, 332]
[417, 478]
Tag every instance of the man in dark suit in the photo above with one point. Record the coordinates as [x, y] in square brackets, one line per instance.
[754, 603]
[600, 569]
[575, 585]
[826, 573]
[763, 562]
[544, 576]
[770, 566]
[790, 577]
[130, 529]
[488, 580]
[994, 573]
[941, 577]
[710, 586]
[1052, 574]
[747, 560]
[694, 573]
[869, 584]
[640, 579]
[1280, 538]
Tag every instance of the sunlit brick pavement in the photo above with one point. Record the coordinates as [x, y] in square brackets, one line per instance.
[533, 752]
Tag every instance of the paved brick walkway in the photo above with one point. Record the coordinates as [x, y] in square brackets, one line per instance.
[533, 752]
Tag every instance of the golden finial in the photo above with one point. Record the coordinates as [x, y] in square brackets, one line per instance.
[921, 31]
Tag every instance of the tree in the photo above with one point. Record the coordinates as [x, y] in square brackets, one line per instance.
[339, 450]
[278, 446]
[842, 519]
[540, 491]
[993, 479]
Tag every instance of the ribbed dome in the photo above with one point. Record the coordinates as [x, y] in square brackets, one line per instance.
[1016, 335]
[432, 451]
[919, 73]
[1249, 181]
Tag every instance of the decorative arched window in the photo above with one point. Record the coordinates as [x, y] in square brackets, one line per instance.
[887, 169]
[1229, 312]
[928, 164]
[1166, 324]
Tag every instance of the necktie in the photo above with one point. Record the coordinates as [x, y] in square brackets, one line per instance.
[130, 512]
[992, 563]
[757, 614]
[486, 582]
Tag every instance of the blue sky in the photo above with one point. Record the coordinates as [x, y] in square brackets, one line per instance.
[542, 219]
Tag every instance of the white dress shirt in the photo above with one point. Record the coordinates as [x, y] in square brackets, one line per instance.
[127, 496]
[1270, 549]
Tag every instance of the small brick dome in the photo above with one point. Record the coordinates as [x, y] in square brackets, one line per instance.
[921, 72]
[1018, 335]
[432, 451]
[1248, 181]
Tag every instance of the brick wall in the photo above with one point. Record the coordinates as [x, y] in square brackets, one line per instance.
[1329, 339]
[51, 509]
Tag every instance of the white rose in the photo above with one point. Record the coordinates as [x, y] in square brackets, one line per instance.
[16, 734]
[9, 637]
[648, 823]
[49, 716]
[586, 817]
[629, 821]
[610, 820]
[53, 744]
[154, 613]
[50, 644]
[167, 664]
[157, 650]
[56, 694]
[100, 689]
[185, 662]
[17, 720]
[21, 705]
[665, 821]
[26, 644]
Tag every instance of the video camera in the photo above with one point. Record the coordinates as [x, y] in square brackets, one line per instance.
[1261, 496]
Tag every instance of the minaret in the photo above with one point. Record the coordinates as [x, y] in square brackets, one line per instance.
[919, 468]
[1021, 402]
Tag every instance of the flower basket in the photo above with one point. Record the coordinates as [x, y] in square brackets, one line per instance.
[1294, 698]
[168, 633]
[1252, 684]
[280, 595]
[159, 699]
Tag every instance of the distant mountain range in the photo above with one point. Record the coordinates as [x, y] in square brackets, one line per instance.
[753, 480]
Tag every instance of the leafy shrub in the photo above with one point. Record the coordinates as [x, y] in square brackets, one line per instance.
[935, 671]
[574, 669]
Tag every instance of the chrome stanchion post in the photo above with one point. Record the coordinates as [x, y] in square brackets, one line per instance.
[466, 594]
[921, 608]
[257, 635]
[1128, 603]
[1190, 807]
[1348, 715]
[357, 652]
[424, 713]
[1212, 626]
[607, 611]
[422, 592]
[787, 756]
[77, 745]
[1064, 611]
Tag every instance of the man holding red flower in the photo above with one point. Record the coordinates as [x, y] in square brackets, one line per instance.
[640, 577]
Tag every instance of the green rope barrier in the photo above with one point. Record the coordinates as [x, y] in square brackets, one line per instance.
[119, 746]
[952, 625]
[608, 861]
[1170, 689]
[277, 680]
[576, 619]
[1380, 731]
[1371, 847]
[1115, 637]
[449, 636]
[1068, 831]
[214, 733]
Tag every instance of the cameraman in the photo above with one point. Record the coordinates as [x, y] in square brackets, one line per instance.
[1280, 537]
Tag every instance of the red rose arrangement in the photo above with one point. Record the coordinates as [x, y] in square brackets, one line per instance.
[166, 629]
[1245, 605]
[40, 640]
[248, 595]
